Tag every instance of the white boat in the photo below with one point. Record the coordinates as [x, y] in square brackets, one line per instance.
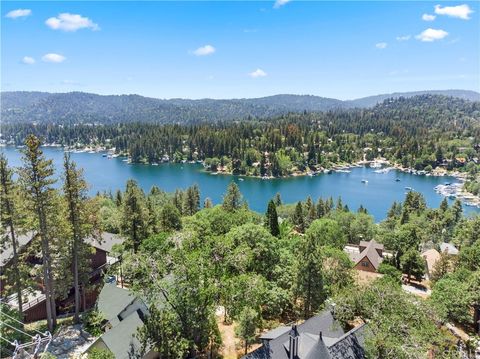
[241, 179]
[364, 181]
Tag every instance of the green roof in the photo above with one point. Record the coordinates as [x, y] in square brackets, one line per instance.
[113, 300]
[122, 336]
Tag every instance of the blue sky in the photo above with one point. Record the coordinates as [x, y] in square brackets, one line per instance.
[240, 49]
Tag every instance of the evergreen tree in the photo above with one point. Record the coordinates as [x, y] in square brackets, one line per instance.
[309, 276]
[457, 210]
[248, 322]
[233, 199]
[178, 200]
[9, 222]
[412, 264]
[207, 203]
[118, 198]
[298, 217]
[135, 215]
[320, 208]
[272, 219]
[277, 199]
[444, 205]
[36, 179]
[191, 201]
[170, 218]
[310, 212]
[75, 189]
[441, 267]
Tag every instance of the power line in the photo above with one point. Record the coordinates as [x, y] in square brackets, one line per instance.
[18, 330]
[8, 341]
[19, 322]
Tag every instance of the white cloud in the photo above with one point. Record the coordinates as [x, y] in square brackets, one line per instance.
[204, 50]
[430, 35]
[403, 38]
[71, 22]
[280, 3]
[381, 45]
[257, 73]
[14, 14]
[56, 58]
[460, 11]
[28, 60]
[428, 17]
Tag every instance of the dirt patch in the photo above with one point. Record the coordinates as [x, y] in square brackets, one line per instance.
[229, 342]
[364, 277]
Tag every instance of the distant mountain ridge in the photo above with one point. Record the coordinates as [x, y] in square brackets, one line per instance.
[81, 107]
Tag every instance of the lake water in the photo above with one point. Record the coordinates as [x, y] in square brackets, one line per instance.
[377, 195]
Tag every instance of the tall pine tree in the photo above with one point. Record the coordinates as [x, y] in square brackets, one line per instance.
[36, 179]
[271, 219]
[9, 224]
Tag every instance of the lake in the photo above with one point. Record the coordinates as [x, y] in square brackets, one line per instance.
[377, 195]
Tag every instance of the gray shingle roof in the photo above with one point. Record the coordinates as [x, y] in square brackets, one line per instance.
[121, 337]
[7, 251]
[113, 300]
[106, 242]
[449, 248]
[334, 343]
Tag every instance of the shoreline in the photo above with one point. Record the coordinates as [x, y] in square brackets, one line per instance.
[381, 165]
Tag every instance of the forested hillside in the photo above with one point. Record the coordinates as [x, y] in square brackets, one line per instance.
[79, 107]
[186, 260]
[421, 132]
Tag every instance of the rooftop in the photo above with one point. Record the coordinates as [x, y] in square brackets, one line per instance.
[319, 337]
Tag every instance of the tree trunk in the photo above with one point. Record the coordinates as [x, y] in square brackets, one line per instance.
[75, 283]
[16, 270]
[84, 298]
[9, 209]
[47, 270]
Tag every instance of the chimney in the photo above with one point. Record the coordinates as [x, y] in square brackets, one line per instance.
[293, 343]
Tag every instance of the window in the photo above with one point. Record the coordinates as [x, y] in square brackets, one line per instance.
[364, 264]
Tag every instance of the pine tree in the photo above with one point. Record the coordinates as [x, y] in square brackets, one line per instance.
[309, 276]
[457, 210]
[178, 200]
[298, 217]
[233, 199]
[320, 208]
[36, 179]
[277, 199]
[191, 203]
[135, 215]
[444, 205]
[207, 203]
[310, 211]
[9, 221]
[271, 219]
[75, 189]
[118, 198]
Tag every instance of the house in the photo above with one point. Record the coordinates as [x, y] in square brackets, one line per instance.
[124, 313]
[366, 256]
[34, 298]
[431, 257]
[448, 248]
[320, 337]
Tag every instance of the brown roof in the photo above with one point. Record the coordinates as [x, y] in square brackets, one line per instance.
[431, 256]
[371, 253]
[373, 243]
